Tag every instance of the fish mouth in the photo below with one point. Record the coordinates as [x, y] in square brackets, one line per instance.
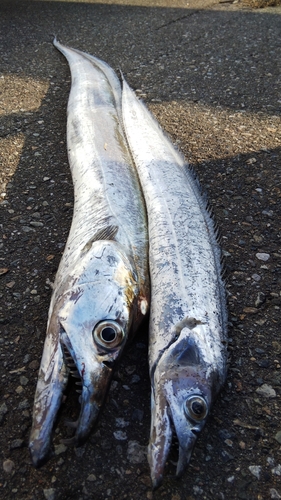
[92, 383]
[92, 378]
[47, 403]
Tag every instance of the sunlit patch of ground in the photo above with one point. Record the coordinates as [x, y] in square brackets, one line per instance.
[19, 94]
[260, 4]
[19, 97]
[10, 151]
[215, 133]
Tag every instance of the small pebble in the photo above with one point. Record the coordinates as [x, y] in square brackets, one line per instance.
[24, 380]
[3, 411]
[267, 391]
[17, 443]
[27, 229]
[8, 466]
[197, 490]
[252, 160]
[91, 478]
[79, 452]
[19, 389]
[121, 422]
[50, 494]
[23, 405]
[255, 470]
[256, 277]
[269, 213]
[230, 479]
[276, 470]
[263, 256]
[259, 351]
[114, 385]
[278, 436]
[225, 434]
[226, 457]
[264, 363]
[36, 224]
[274, 494]
[242, 445]
[228, 442]
[136, 453]
[60, 448]
[120, 435]
[34, 364]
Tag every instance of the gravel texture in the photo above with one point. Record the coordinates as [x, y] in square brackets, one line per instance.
[210, 72]
[260, 4]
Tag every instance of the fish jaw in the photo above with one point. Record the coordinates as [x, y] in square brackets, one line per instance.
[52, 380]
[91, 402]
[160, 437]
[182, 394]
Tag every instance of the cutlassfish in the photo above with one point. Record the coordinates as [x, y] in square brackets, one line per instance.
[101, 290]
[188, 315]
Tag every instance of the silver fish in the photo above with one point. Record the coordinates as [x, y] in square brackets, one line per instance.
[188, 316]
[101, 290]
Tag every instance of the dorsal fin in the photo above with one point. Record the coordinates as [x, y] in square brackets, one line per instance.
[107, 233]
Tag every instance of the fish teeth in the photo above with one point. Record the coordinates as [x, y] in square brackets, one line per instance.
[69, 441]
[71, 364]
[72, 425]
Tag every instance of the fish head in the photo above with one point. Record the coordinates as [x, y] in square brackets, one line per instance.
[182, 394]
[95, 320]
[90, 320]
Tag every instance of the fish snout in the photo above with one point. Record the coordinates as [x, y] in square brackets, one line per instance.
[40, 450]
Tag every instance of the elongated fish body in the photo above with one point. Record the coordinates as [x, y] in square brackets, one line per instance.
[188, 319]
[101, 290]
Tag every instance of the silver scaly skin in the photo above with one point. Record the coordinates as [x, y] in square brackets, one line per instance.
[101, 290]
[188, 316]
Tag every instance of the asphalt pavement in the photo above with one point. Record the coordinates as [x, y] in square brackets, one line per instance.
[210, 72]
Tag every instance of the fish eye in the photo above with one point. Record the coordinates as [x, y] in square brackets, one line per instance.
[108, 334]
[196, 408]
